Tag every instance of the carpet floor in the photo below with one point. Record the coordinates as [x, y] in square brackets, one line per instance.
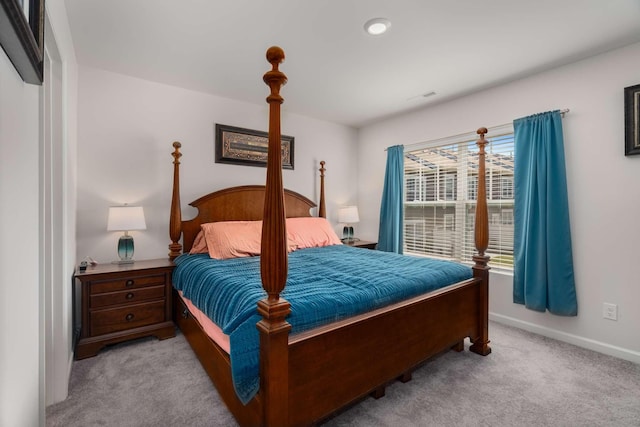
[528, 380]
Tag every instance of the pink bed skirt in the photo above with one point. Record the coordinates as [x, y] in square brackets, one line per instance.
[212, 330]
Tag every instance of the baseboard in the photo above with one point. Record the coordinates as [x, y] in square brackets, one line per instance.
[600, 347]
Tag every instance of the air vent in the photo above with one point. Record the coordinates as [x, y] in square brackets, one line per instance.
[423, 95]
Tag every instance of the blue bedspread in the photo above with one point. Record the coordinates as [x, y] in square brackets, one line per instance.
[323, 285]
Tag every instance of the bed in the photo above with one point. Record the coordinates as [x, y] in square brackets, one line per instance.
[306, 375]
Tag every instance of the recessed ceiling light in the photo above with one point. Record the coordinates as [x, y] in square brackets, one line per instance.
[377, 26]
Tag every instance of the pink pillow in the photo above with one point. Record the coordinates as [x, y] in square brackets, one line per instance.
[232, 239]
[199, 244]
[311, 232]
[236, 239]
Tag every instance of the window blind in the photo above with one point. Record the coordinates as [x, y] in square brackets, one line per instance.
[441, 186]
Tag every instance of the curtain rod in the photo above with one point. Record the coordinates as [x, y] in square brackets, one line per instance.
[562, 113]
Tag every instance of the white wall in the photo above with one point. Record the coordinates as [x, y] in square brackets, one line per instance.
[20, 350]
[604, 197]
[126, 127]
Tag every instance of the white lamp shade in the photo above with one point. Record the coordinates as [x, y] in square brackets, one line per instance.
[348, 215]
[126, 218]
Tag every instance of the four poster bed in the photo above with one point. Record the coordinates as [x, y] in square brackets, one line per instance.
[308, 369]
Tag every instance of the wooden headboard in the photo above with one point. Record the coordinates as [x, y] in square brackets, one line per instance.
[243, 203]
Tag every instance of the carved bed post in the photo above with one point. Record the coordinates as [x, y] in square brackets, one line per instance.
[273, 328]
[322, 210]
[175, 220]
[481, 269]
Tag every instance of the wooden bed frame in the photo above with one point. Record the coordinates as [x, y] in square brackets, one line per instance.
[306, 377]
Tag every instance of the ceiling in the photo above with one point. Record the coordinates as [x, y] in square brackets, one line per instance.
[336, 71]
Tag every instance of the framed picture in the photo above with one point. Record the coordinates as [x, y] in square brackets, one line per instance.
[22, 36]
[632, 120]
[248, 147]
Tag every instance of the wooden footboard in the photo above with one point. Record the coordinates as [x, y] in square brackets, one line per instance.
[325, 365]
[287, 370]
[333, 366]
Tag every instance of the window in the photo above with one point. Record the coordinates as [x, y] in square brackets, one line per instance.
[449, 221]
[507, 216]
[506, 186]
[441, 187]
[473, 188]
[449, 186]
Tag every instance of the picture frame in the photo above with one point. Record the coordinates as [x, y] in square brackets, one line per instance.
[240, 146]
[632, 120]
[22, 37]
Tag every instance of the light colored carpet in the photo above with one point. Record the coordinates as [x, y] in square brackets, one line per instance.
[528, 380]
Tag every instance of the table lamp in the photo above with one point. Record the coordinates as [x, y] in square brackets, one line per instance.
[125, 218]
[348, 215]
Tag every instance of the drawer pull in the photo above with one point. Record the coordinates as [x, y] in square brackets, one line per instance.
[129, 282]
[129, 317]
[185, 313]
[130, 295]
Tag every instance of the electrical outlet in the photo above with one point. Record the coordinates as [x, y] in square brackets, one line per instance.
[610, 311]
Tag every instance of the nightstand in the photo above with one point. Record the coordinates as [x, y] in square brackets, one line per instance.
[362, 244]
[120, 302]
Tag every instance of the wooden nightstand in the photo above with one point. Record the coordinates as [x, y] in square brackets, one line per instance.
[362, 244]
[122, 302]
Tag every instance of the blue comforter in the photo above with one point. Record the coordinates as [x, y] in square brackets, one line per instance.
[323, 285]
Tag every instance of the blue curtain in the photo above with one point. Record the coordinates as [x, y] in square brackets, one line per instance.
[543, 261]
[392, 207]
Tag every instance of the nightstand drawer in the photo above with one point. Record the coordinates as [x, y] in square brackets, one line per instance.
[126, 297]
[126, 283]
[118, 319]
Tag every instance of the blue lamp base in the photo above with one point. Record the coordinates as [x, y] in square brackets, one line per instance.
[347, 234]
[125, 250]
